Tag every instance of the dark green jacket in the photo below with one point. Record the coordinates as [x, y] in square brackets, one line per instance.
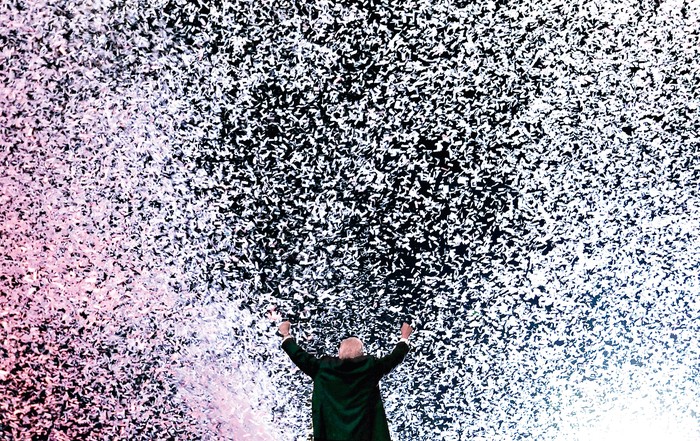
[346, 404]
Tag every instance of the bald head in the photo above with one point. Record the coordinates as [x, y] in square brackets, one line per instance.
[350, 348]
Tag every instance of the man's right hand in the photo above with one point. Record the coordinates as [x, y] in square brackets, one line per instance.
[406, 330]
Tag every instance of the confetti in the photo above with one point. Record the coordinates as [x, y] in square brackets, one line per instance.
[520, 181]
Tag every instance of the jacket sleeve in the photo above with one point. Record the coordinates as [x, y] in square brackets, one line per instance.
[306, 362]
[389, 362]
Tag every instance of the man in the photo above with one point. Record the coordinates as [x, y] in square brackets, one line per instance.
[346, 404]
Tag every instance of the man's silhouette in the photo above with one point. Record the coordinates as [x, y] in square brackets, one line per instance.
[346, 404]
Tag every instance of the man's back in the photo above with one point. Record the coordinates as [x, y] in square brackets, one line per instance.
[346, 402]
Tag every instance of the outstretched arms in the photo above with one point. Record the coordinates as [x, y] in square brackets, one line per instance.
[310, 364]
[306, 362]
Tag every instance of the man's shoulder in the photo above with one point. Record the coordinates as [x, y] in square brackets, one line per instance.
[332, 358]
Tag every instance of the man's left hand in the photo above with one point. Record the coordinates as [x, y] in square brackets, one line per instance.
[284, 328]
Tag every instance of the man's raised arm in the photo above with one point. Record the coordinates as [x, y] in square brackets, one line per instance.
[306, 362]
[392, 360]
